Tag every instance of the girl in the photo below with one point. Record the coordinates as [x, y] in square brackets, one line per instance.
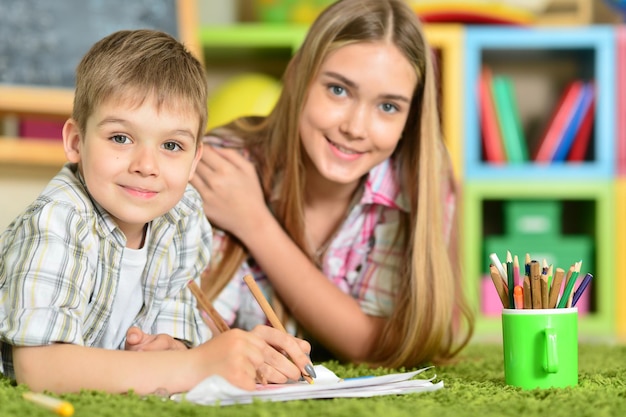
[341, 204]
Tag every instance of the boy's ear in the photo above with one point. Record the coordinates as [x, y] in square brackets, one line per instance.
[196, 159]
[71, 141]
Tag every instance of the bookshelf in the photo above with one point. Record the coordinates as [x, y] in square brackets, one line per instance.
[620, 253]
[620, 186]
[541, 62]
[621, 100]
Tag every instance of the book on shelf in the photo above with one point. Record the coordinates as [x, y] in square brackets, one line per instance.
[40, 129]
[491, 140]
[583, 136]
[509, 121]
[558, 122]
[578, 113]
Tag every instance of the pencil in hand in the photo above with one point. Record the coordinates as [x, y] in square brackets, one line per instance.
[272, 317]
[205, 305]
[218, 321]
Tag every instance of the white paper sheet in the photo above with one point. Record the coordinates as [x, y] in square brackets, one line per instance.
[216, 390]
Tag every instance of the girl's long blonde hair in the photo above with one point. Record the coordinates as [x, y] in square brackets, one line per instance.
[427, 323]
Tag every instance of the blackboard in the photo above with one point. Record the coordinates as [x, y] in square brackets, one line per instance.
[42, 41]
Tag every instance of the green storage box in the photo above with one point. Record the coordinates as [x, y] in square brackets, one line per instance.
[537, 218]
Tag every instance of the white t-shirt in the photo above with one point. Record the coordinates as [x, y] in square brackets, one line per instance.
[129, 297]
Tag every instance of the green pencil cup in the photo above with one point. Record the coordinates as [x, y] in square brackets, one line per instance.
[540, 347]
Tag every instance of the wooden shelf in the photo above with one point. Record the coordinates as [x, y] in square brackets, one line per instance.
[37, 101]
[20, 152]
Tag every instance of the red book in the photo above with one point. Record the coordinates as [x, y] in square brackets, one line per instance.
[492, 140]
[558, 122]
[581, 140]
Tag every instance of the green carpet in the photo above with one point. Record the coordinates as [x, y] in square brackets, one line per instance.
[472, 387]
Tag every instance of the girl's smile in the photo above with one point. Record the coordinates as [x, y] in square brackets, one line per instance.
[355, 111]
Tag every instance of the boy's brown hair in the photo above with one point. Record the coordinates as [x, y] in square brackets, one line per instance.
[136, 64]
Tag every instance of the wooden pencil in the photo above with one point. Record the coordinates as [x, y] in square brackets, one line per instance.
[571, 294]
[527, 293]
[527, 265]
[581, 288]
[545, 291]
[550, 275]
[569, 286]
[518, 295]
[535, 284]
[496, 261]
[205, 304]
[220, 324]
[267, 309]
[499, 284]
[516, 273]
[510, 278]
[60, 407]
[568, 275]
[555, 288]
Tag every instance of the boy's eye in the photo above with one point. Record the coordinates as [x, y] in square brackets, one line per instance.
[120, 139]
[172, 146]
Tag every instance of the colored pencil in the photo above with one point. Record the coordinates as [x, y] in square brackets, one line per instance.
[496, 261]
[205, 305]
[550, 275]
[60, 407]
[267, 309]
[527, 293]
[535, 284]
[518, 295]
[555, 288]
[499, 284]
[516, 275]
[569, 286]
[220, 324]
[581, 288]
[510, 278]
[545, 291]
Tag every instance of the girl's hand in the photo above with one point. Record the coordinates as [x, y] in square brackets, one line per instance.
[137, 340]
[230, 189]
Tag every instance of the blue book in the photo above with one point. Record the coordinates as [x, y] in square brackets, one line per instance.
[583, 101]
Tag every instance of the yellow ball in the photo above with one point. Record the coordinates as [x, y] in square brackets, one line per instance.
[250, 94]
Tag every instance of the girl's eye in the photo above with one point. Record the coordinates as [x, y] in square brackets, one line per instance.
[337, 90]
[172, 146]
[121, 139]
[389, 108]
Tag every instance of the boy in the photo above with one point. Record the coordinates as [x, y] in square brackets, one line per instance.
[100, 261]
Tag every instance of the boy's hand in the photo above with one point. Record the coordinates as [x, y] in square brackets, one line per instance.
[241, 356]
[285, 356]
[137, 340]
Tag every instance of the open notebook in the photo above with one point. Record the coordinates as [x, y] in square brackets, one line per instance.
[216, 390]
